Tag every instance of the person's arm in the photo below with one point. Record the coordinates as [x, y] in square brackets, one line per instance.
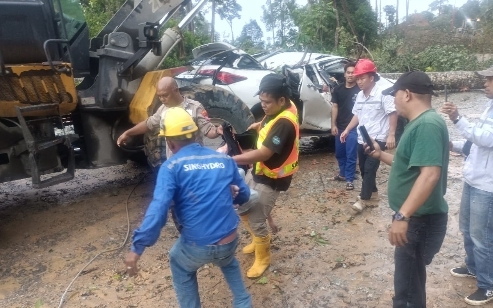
[139, 129]
[155, 218]
[420, 192]
[244, 191]
[389, 107]
[335, 111]
[282, 133]
[204, 123]
[378, 153]
[354, 122]
[480, 136]
[390, 144]
[456, 146]
[251, 157]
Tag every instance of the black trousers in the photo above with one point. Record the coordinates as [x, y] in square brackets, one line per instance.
[425, 236]
[368, 167]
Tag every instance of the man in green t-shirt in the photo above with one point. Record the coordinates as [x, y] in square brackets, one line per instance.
[417, 184]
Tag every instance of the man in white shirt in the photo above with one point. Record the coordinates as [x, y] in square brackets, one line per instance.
[476, 207]
[377, 113]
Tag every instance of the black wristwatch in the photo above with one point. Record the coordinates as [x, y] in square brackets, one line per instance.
[457, 120]
[399, 217]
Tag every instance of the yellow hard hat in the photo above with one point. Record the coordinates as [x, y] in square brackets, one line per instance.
[177, 122]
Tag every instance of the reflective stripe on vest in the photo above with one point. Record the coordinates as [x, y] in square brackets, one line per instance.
[290, 166]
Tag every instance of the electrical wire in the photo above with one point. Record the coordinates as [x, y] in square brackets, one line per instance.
[104, 251]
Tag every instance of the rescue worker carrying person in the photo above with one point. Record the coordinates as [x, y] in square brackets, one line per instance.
[199, 181]
[275, 161]
[168, 93]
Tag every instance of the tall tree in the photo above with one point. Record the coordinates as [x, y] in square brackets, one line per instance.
[397, 13]
[390, 13]
[228, 11]
[279, 16]
[251, 37]
[338, 24]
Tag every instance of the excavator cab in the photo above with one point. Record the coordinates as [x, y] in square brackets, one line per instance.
[37, 32]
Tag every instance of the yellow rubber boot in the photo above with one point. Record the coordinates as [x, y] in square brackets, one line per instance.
[250, 248]
[262, 257]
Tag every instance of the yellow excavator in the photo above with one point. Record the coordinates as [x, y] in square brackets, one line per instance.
[65, 98]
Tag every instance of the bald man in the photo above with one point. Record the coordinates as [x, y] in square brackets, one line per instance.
[168, 93]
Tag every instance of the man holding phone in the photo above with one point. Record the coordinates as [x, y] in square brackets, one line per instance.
[417, 184]
[376, 112]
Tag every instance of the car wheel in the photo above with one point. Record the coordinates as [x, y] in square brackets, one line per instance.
[221, 106]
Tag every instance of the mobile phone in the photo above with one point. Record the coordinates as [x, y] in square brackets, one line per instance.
[366, 137]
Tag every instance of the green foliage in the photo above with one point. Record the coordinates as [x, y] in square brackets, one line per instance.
[390, 58]
[278, 18]
[251, 38]
[182, 54]
[99, 12]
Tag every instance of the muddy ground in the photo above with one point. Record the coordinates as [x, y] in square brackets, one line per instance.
[323, 256]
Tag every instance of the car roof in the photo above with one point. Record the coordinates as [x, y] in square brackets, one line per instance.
[292, 58]
[212, 48]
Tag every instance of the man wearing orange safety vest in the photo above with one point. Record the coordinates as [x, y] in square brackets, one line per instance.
[274, 162]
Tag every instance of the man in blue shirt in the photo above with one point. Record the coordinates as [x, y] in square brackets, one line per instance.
[199, 181]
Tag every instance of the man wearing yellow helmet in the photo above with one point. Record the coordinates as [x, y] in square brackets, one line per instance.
[198, 180]
[168, 93]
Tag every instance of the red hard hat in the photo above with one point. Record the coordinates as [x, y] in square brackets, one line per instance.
[364, 66]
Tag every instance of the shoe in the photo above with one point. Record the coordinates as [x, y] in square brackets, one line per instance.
[480, 297]
[462, 272]
[338, 178]
[359, 205]
[349, 186]
[250, 248]
[375, 196]
[262, 257]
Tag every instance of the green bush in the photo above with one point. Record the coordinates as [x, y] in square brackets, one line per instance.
[392, 57]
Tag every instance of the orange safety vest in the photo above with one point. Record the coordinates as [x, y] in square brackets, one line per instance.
[290, 166]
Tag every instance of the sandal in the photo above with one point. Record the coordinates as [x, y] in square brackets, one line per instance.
[349, 186]
[338, 178]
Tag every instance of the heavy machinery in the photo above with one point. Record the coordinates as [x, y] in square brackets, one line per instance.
[45, 48]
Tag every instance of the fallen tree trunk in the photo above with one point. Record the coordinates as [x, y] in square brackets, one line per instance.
[455, 81]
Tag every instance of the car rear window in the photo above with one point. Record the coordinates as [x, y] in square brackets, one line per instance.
[247, 62]
[226, 58]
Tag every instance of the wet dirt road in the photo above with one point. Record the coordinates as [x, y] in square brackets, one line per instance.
[323, 256]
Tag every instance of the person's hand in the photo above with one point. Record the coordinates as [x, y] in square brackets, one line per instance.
[451, 110]
[376, 152]
[122, 139]
[334, 130]
[273, 227]
[235, 190]
[254, 126]
[219, 130]
[131, 263]
[397, 233]
[390, 142]
[344, 135]
[325, 88]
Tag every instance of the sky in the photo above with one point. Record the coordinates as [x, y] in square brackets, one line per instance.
[252, 9]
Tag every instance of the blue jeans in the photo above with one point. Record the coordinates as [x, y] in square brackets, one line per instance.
[425, 236]
[346, 155]
[185, 259]
[476, 224]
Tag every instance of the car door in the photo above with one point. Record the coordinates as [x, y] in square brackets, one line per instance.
[316, 104]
